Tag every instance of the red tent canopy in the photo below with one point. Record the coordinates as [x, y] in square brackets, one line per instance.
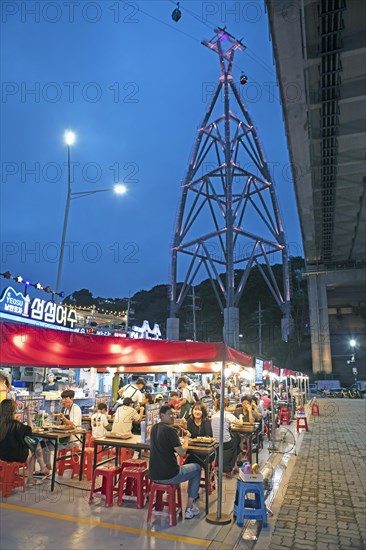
[31, 345]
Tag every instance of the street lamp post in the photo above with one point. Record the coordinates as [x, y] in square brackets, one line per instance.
[69, 139]
[119, 189]
[353, 345]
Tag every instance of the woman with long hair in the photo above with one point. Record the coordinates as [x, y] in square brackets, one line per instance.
[198, 425]
[231, 440]
[12, 439]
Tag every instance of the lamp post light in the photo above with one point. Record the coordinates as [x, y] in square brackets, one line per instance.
[118, 188]
[353, 345]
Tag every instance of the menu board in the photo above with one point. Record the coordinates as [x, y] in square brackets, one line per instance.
[34, 404]
[152, 417]
[259, 370]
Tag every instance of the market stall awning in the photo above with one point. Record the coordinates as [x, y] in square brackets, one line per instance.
[31, 345]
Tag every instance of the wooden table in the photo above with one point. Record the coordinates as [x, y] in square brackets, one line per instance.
[203, 453]
[249, 431]
[54, 439]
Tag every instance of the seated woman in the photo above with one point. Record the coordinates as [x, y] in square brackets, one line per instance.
[12, 440]
[199, 426]
[147, 399]
[231, 440]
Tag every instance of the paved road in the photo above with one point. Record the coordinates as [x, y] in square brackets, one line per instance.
[321, 504]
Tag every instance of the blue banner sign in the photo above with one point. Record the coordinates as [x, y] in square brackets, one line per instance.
[15, 303]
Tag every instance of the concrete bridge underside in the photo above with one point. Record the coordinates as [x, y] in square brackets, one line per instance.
[320, 51]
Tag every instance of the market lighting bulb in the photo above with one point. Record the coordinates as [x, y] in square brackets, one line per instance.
[352, 342]
[69, 137]
[120, 189]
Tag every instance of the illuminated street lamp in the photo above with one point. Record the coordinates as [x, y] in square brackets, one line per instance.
[119, 189]
[352, 343]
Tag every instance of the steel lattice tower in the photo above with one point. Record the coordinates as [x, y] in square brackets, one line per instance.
[228, 216]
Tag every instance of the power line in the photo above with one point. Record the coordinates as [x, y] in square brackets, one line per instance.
[253, 55]
[212, 28]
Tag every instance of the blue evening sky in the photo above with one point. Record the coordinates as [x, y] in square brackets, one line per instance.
[134, 86]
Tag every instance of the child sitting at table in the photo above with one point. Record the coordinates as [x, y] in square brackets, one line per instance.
[99, 421]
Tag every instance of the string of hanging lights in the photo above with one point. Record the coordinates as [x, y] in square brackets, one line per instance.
[38, 286]
[21, 280]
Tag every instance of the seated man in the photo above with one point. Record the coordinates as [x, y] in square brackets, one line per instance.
[245, 412]
[125, 415]
[71, 416]
[163, 466]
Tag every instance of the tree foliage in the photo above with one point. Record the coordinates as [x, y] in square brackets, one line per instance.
[153, 305]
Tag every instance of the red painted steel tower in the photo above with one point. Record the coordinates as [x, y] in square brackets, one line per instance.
[228, 217]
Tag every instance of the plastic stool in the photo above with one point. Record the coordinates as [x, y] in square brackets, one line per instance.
[301, 422]
[70, 463]
[88, 435]
[174, 502]
[249, 508]
[10, 477]
[134, 463]
[315, 409]
[88, 463]
[108, 489]
[101, 453]
[133, 485]
[285, 416]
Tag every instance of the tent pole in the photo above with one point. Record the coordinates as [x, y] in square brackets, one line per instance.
[219, 517]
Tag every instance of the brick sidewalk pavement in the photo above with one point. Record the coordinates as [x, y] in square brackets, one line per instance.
[322, 501]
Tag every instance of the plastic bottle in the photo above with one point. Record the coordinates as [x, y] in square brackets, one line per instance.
[39, 420]
[143, 431]
[246, 468]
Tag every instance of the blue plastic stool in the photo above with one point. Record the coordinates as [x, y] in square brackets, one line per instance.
[249, 508]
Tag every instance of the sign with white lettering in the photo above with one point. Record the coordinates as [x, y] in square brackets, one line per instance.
[258, 370]
[145, 332]
[15, 303]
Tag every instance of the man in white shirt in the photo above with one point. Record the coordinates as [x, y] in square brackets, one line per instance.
[71, 416]
[131, 390]
[124, 417]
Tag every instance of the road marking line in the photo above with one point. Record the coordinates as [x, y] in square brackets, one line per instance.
[104, 525]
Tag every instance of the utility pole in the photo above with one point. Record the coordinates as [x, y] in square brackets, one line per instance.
[194, 314]
[260, 329]
[236, 208]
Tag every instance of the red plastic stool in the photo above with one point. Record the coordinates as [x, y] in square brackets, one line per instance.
[285, 416]
[101, 454]
[88, 463]
[108, 489]
[174, 502]
[133, 485]
[10, 477]
[134, 463]
[315, 409]
[88, 435]
[70, 463]
[301, 422]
